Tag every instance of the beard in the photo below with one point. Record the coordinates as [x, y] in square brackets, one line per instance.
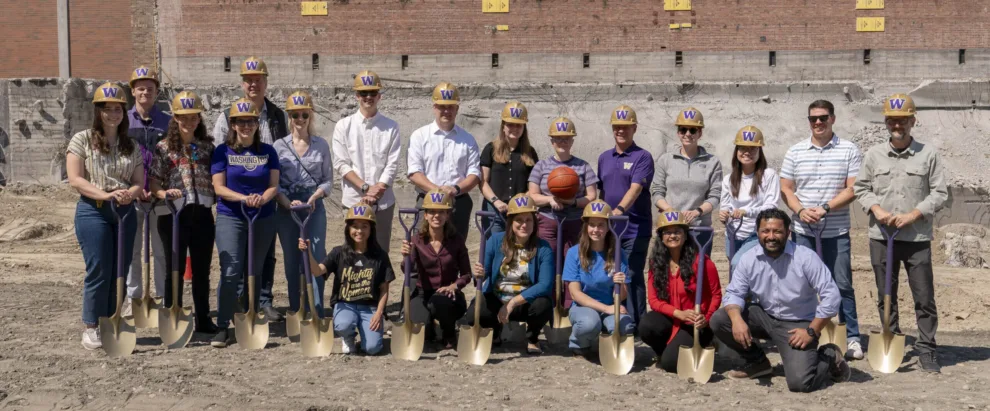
[772, 246]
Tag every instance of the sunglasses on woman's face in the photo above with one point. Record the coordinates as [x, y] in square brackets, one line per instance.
[814, 119]
[688, 130]
[295, 116]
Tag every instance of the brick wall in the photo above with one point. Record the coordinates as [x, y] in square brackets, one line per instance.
[29, 33]
[100, 39]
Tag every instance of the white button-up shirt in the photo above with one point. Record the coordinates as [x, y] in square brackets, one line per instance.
[370, 148]
[444, 157]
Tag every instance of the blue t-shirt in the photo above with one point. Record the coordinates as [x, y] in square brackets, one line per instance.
[247, 173]
[595, 282]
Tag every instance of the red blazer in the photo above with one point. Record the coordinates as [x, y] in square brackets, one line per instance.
[711, 297]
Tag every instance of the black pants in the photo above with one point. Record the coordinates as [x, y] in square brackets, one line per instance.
[196, 235]
[917, 258]
[655, 329]
[536, 314]
[463, 208]
[429, 305]
[266, 297]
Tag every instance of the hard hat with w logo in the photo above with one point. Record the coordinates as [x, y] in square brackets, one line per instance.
[299, 100]
[437, 200]
[690, 117]
[899, 105]
[187, 102]
[749, 136]
[143, 73]
[596, 209]
[521, 203]
[254, 65]
[244, 108]
[109, 93]
[367, 80]
[671, 218]
[514, 112]
[623, 116]
[360, 211]
[562, 127]
[446, 94]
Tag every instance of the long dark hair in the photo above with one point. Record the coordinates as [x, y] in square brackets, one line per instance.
[449, 231]
[236, 146]
[587, 254]
[736, 177]
[509, 249]
[660, 263]
[99, 142]
[349, 247]
[173, 136]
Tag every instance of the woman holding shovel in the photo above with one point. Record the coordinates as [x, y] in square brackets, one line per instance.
[104, 166]
[671, 289]
[588, 270]
[749, 189]
[443, 267]
[244, 170]
[361, 273]
[518, 275]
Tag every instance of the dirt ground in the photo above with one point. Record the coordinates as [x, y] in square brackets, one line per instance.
[43, 366]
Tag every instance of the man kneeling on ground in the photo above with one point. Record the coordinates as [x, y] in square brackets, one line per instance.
[784, 282]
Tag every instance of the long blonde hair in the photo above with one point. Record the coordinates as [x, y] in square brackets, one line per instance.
[502, 149]
[587, 254]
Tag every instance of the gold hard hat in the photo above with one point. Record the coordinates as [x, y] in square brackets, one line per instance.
[367, 80]
[521, 203]
[671, 218]
[749, 136]
[596, 209]
[562, 127]
[244, 108]
[446, 94]
[360, 211]
[109, 93]
[514, 112]
[143, 73]
[299, 100]
[623, 115]
[187, 102]
[254, 65]
[690, 117]
[438, 200]
[899, 105]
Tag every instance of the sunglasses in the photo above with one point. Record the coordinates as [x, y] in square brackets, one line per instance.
[246, 122]
[897, 121]
[367, 93]
[561, 140]
[823, 118]
[688, 130]
[296, 116]
[677, 233]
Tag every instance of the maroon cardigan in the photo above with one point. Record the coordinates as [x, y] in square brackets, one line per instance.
[439, 269]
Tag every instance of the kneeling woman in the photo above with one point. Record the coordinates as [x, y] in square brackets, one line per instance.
[587, 269]
[518, 274]
[671, 289]
[443, 267]
[361, 273]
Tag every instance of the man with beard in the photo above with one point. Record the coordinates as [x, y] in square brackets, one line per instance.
[784, 282]
[901, 185]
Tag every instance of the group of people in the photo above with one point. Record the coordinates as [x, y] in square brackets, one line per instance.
[255, 156]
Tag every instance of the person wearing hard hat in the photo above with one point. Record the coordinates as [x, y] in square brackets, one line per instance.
[506, 163]
[305, 178]
[146, 126]
[103, 165]
[672, 286]
[751, 187]
[361, 272]
[444, 156]
[442, 267]
[689, 178]
[518, 274]
[244, 171]
[901, 185]
[590, 271]
[271, 126]
[626, 173]
[180, 172]
[816, 182]
[366, 155]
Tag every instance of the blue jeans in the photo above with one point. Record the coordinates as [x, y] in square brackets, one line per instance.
[741, 247]
[635, 250]
[288, 236]
[497, 224]
[587, 323]
[232, 244]
[836, 255]
[96, 231]
[350, 319]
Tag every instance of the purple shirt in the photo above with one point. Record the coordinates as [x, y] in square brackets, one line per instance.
[617, 172]
[542, 169]
[147, 133]
[247, 172]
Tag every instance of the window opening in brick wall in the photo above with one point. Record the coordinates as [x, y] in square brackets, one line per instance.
[962, 56]
[226, 64]
[405, 61]
[866, 56]
[678, 59]
[316, 61]
[773, 59]
[494, 60]
[587, 60]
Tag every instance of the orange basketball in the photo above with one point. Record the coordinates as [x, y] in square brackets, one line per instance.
[563, 182]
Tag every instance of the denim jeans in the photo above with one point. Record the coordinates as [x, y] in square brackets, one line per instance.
[232, 244]
[741, 247]
[288, 236]
[350, 319]
[96, 231]
[836, 255]
[497, 223]
[587, 323]
[635, 250]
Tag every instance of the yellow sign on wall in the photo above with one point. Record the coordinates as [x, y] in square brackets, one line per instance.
[314, 8]
[677, 5]
[502, 27]
[869, 24]
[869, 4]
[494, 6]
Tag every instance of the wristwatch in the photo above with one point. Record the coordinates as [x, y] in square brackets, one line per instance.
[812, 333]
[365, 187]
[620, 208]
[457, 189]
[700, 211]
[493, 199]
[826, 208]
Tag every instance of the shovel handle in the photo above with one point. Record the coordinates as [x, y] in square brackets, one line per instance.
[617, 257]
[408, 228]
[558, 295]
[891, 234]
[478, 216]
[146, 208]
[699, 283]
[120, 236]
[818, 229]
[732, 226]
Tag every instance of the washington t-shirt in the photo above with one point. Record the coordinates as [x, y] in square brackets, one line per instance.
[358, 281]
[247, 173]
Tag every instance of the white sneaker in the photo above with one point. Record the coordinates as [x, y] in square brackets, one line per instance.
[348, 345]
[854, 350]
[91, 339]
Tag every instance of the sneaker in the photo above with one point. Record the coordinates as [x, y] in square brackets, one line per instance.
[754, 370]
[272, 314]
[929, 362]
[839, 369]
[223, 338]
[348, 346]
[854, 351]
[91, 339]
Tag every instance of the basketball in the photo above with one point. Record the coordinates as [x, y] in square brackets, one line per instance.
[563, 182]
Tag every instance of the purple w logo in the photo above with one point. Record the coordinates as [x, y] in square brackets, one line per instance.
[597, 207]
[251, 65]
[522, 201]
[690, 114]
[447, 94]
[243, 107]
[110, 92]
[367, 80]
[671, 216]
[749, 135]
[515, 112]
[298, 100]
[187, 102]
[141, 72]
[562, 126]
[896, 103]
[621, 114]
[436, 197]
[360, 210]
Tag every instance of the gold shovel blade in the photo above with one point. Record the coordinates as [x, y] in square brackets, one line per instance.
[175, 326]
[617, 352]
[474, 344]
[292, 321]
[695, 363]
[118, 336]
[558, 332]
[145, 311]
[408, 339]
[316, 337]
[834, 334]
[886, 351]
[251, 330]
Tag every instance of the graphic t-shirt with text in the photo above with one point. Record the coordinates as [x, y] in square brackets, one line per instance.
[358, 281]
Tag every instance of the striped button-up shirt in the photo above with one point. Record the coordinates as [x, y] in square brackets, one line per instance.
[819, 174]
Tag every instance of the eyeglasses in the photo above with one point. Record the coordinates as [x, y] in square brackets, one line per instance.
[367, 93]
[295, 116]
[677, 233]
[688, 130]
[897, 121]
[823, 118]
[246, 122]
[561, 140]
